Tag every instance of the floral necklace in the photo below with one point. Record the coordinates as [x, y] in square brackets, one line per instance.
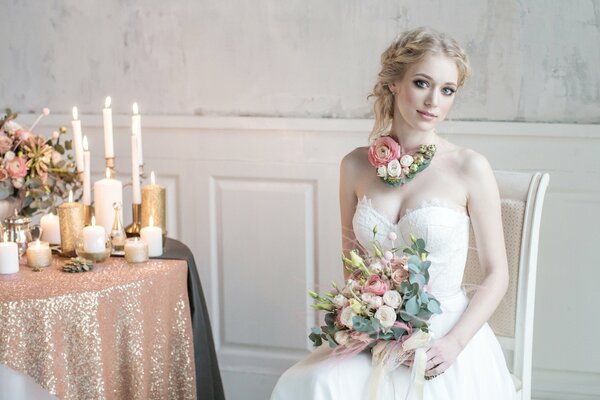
[393, 168]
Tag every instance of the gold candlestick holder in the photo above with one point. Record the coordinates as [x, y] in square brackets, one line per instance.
[133, 230]
[88, 212]
[110, 164]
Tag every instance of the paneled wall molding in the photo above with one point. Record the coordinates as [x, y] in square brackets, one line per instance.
[256, 199]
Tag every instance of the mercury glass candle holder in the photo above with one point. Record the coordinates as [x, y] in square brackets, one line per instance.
[136, 250]
[38, 254]
[97, 256]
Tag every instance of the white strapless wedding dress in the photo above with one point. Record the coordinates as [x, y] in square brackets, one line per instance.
[478, 373]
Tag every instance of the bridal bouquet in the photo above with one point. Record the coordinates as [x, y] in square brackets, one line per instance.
[34, 170]
[385, 306]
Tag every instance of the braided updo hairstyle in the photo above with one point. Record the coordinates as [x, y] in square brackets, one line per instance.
[408, 48]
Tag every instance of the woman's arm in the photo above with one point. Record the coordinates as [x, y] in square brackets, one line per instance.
[484, 209]
[348, 200]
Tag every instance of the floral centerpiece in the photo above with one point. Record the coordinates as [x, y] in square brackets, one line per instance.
[36, 172]
[385, 306]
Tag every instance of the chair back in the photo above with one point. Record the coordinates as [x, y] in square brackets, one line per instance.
[522, 197]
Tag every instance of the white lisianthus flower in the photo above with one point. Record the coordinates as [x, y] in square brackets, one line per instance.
[376, 266]
[382, 171]
[372, 300]
[394, 169]
[406, 160]
[392, 298]
[340, 300]
[346, 317]
[341, 337]
[386, 316]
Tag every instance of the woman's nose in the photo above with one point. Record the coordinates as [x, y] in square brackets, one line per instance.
[432, 99]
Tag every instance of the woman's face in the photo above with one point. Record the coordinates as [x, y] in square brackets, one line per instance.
[424, 96]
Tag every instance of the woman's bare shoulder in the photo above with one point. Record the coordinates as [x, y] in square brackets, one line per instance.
[355, 160]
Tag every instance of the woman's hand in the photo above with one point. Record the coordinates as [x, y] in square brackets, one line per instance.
[442, 355]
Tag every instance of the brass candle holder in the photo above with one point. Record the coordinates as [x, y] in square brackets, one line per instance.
[70, 216]
[88, 212]
[133, 230]
[110, 164]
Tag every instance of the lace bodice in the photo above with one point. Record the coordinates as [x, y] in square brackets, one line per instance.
[444, 229]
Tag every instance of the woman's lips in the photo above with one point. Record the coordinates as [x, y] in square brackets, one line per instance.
[426, 115]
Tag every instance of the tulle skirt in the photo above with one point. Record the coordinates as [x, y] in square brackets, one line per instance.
[478, 373]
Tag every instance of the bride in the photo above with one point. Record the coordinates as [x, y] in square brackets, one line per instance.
[420, 74]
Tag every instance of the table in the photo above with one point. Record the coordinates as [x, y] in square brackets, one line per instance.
[119, 332]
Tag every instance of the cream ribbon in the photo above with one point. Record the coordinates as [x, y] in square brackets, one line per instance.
[387, 356]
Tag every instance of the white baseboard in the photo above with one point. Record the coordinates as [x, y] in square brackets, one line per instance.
[565, 385]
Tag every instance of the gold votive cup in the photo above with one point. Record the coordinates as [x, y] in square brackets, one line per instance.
[154, 203]
[70, 218]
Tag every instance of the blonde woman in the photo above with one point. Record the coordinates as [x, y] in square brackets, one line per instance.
[449, 189]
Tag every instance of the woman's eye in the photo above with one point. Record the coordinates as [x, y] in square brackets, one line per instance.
[421, 83]
[448, 91]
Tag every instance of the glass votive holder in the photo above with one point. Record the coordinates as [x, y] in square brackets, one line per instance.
[95, 253]
[136, 250]
[38, 254]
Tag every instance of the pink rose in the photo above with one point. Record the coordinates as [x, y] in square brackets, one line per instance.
[16, 168]
[5, 143]
[399, 262]
[383, 150]
[375, 285]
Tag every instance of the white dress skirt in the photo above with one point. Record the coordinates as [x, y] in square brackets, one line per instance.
[478, 373]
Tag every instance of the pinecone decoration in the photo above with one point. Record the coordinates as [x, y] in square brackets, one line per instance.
[78, 264]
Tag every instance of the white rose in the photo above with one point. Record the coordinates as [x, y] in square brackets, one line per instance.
[392, 298]
[9, 155]
[341, 337]
[386, 316]
[372, 300]
[406, 160]
[394, 169]
[376, 266]
[346, 316]
[382, 171]
[340, 300]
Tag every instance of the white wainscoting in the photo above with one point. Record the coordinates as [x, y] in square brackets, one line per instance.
[256, 201]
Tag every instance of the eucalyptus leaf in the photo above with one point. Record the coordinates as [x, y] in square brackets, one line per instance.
[434, 306]
[412, 306]
[362, 324]
[330, 320]
[398, 332]
[416, 278]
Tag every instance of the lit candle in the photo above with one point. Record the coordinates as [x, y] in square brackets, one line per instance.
[9, 258]
[70, 215]
[87, 185]
[107, 192]
[136, 250]
[153, 236]
[94, 238]
[135, 172]
[50, 228]
[136, 129]
[153, 203]
[38, 254]
[109, 150]
[77, 141]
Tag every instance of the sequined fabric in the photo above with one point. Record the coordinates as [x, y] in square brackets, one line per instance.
[120, 331]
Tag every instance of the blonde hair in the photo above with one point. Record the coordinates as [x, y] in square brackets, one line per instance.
[408, 48]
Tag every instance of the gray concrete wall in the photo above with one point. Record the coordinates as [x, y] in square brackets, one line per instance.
[533, 60]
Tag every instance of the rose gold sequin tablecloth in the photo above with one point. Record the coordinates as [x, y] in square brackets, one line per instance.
[120, 331]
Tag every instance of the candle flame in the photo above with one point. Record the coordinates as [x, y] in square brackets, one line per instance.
[75, 115]
[152, 178]
[135, 108]
[107, 102]
[107, 173]
[151, 220]
[37, 242]
[85, 143]
[93, 220]
[71, 196]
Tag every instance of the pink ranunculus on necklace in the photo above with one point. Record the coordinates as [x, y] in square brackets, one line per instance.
[395, 168]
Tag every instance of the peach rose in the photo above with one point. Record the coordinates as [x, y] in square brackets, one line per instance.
[399, 276]
[383, 150]
[16, 168]
[375, 285]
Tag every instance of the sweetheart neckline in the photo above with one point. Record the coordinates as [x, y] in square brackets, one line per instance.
[409, 211]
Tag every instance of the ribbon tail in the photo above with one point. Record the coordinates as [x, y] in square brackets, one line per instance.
[375, 380]
[419, 372]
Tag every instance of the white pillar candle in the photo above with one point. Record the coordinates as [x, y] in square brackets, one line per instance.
[109, 149]
[107, 192]
[38, 254]
[136, 250]
[136, 129]
[9, 258]
[153, 236]
[94, 238]
[50, 228]
[135, 172]
[77, 141]
[87, 184]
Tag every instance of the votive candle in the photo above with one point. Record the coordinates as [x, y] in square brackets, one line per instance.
[153, 236]
[38, 254]
[94, 238]
[136, 250]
